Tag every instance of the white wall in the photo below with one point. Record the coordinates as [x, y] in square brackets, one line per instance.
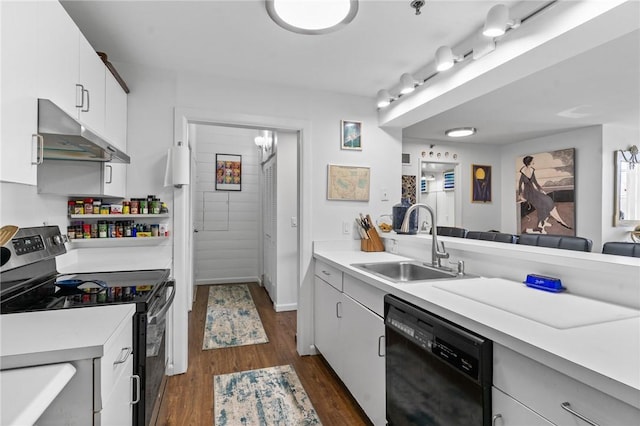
[588, 177]
[228, 238]
[473, 216]
[287, 234]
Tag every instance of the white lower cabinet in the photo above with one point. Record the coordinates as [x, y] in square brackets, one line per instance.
[82, 178]
[509, 412]
[350, 336]
[363, 334]
[556, 397]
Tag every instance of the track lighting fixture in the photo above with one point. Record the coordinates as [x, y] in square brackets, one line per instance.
[445, 58]
[384, 98]
[498, 21]
[407, 83]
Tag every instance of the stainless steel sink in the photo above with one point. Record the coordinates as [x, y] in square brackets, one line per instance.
[406, 271]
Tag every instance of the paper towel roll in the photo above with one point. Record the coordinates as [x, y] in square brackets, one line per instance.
[180, 162]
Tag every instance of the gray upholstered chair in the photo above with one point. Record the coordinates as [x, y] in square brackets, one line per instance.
[556, 241]
[451, 231]
[492, 236]
[622, 249]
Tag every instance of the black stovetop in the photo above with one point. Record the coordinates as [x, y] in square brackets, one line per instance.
[63, 291]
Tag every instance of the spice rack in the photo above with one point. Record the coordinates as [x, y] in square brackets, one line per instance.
[121, 241]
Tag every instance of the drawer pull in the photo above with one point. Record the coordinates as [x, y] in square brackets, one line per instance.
[327, 273]
[137, 379]
[338, 305]
[567, 407]
[124, 355]
[495, 418]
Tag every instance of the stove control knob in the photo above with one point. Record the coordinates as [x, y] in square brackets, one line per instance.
[57, 240]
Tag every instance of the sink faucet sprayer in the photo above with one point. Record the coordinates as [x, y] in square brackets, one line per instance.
[436, 254]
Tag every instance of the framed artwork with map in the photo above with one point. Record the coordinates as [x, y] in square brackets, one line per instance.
[348, 183]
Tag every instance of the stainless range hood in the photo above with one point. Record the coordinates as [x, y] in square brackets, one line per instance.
[65, 138]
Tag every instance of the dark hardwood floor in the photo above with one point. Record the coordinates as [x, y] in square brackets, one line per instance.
[188, 398]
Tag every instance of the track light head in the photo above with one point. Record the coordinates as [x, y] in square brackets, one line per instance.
[445, 58]
[498, 21]
[384, 98]
[408, 83]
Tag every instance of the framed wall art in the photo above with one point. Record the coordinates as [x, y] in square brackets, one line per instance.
[351, 135]
[348, 183]
[545, 192]
[480, 184]
[228, 172]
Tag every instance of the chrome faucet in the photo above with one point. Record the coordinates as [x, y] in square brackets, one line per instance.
[436, 254]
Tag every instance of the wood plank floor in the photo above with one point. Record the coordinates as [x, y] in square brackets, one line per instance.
[188, 398]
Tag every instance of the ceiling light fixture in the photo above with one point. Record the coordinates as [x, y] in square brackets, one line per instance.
[445, 58]
[384, 98]
[498, 21]
[460, 132]
[312, 16]
[407, 83]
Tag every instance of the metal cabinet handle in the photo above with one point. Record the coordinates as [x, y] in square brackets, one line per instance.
[326, 273]
[495, 418]
[124, 354]
[88, 100]
[167, 304]
[110, 180]
[380, 346]
[39, 140]
[137, 379]
[81, 87]
[567, 407]
[337, 309]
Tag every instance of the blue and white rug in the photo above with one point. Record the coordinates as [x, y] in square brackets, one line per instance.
[232, 318]
[268, 396]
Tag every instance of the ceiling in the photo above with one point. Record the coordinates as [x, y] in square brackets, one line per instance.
[237, 39]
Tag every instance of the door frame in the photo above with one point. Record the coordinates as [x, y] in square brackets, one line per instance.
[182, 253]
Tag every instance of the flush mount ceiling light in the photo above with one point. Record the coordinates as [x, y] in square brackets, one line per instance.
[407, 83]
[498, 21]
[460, 132]
[445, 58]
[312, 16]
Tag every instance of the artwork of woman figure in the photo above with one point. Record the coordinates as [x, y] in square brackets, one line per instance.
[529, 190]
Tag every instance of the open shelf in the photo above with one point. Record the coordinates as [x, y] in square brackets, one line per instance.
[115, 242]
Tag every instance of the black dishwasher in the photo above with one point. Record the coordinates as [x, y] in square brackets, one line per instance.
[437, 373]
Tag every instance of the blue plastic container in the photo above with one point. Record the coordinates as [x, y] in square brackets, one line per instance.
[542, 282]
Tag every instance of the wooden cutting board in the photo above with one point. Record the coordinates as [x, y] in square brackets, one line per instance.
[6, 234]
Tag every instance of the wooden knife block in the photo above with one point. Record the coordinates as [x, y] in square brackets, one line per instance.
[374, 243]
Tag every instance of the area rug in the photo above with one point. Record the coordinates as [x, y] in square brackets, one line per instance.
[232, 318]
[268, 396]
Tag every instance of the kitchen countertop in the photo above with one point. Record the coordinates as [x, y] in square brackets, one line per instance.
[47, 337]
[604, 355]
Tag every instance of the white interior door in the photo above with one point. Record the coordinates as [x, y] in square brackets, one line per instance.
[269, 227]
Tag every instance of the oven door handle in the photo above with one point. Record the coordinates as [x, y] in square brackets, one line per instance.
[154, 318]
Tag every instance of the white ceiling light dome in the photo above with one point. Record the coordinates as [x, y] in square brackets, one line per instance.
[312, 16]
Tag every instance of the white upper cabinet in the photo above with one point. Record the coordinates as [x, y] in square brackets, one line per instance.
[115, 119]
[91, 80]
[19, 149]
[58, 57]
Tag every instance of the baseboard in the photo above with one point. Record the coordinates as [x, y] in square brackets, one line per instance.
[233, 280]
[285, 307]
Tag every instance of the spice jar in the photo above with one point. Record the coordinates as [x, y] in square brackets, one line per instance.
[144, 207]
[105, 209]
[86, 230]
[154, 207]
[88, 206]
[126, 207]
[71, 207]
[135, 206]
[155, 230]
[96, 206]
[102, 229]
[127, 229]
[71, 232]
[79, 207]
[111, 229]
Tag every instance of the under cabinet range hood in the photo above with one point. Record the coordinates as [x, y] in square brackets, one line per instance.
[65, 138]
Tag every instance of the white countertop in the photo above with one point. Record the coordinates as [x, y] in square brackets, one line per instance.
[27, 392]
[47, 337]
[604, 355]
